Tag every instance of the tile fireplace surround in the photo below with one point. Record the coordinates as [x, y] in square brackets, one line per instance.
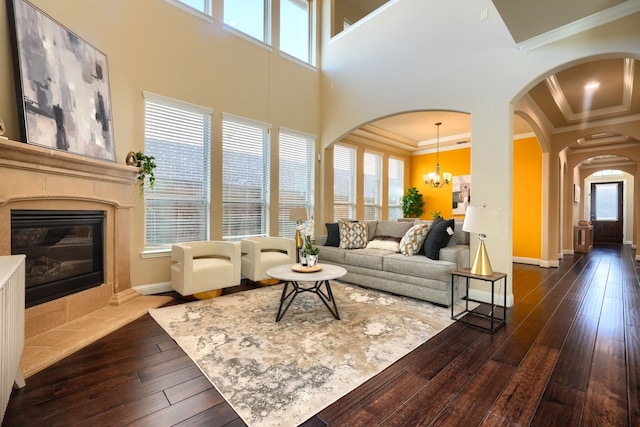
[33, 177]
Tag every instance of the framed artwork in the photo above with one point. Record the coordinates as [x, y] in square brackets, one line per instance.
[62, 85]
[576, 193]
[461, 193]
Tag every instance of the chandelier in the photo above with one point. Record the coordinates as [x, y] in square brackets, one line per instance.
[435, 179]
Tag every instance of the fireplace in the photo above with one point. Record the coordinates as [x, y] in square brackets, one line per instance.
[64, 251]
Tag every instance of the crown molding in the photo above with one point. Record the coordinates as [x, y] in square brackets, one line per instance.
[609, 15]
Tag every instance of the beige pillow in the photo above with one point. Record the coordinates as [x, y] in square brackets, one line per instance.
[413, 239]
[353, 235]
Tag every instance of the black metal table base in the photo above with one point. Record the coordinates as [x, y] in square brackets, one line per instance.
[288, 295]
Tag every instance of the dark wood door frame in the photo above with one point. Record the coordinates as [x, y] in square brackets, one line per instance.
[607, 231]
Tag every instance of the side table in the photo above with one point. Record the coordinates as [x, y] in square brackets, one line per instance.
[483, 316]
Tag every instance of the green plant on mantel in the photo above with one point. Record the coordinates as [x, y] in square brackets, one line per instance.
[435, 214]
[412, 203]
[146, 166]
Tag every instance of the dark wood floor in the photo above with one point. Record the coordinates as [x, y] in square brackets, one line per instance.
[568, 355]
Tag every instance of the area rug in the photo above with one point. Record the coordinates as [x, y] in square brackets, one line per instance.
[283, 373]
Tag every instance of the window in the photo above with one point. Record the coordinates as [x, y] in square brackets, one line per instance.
[396, 188]
[245, 178]
[344, 182]
[178, 135]
[203, 6]
[606, 201]
[296, 29]
[372, 186]
[297, 177]
[248, 16]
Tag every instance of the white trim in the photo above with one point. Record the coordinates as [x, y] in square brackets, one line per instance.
[193, 11]
[608, 15]
[165, 100]
[523, 260]
[298, 60]
[299, 134]
[154, 288]
[246, 36]
[548, 264]
[245, 121]
[155, 253]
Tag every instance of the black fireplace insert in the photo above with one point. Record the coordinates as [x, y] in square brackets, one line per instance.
[64, 251]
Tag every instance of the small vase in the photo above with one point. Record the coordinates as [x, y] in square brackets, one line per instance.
[312, 260]
[303, 257]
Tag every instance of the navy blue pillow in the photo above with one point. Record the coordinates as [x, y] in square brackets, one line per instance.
[333, 234]
[437, 238]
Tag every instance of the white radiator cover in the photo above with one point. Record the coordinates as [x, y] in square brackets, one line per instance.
[12, 274]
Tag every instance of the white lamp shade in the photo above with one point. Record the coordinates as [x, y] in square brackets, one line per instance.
[482, 220]
[297, 214]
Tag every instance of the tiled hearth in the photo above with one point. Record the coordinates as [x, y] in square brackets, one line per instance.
[33, 177]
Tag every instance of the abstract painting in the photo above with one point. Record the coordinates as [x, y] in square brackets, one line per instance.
[62, 85]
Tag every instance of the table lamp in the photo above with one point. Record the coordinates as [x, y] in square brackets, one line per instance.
[483, 221]
[299, 215]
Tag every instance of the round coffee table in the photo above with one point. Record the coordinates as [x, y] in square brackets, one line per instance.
[286, 273]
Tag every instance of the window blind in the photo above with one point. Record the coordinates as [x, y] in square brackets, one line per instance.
[245, 178]
[178, 135]
[297, 177]
[372, 186]
[396, 188]
[344, 182]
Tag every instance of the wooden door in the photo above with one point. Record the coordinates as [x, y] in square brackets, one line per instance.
[607, 212]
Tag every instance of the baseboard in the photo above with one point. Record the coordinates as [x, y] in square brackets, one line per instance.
[485, 296]
[549, 263]
[523, 260]
[154, 288]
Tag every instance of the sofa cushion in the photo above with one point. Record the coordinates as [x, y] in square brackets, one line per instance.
[438, 237]
[419, 266]
[353, 235]
[367, 258]
[333, 234]
[331, 255]
[413, 239]
[395, 229]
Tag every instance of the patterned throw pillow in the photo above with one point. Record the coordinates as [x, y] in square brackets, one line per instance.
[413, 239]
[353, 235]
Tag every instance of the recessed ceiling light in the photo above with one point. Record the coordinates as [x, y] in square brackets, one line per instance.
[592, 85]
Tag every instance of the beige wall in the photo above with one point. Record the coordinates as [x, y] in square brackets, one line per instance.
[154, 46]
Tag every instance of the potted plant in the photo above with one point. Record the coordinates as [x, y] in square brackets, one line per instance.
[311, 252]
[412, 203]
[146, 166]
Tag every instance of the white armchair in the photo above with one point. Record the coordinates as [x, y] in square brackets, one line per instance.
[261, 253]
[204, 266]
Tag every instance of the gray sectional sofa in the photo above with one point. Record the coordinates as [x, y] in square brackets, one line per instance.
[414, 276]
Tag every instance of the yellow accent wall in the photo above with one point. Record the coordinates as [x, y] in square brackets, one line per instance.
[527, 189]
[456, 162]
[527, 198]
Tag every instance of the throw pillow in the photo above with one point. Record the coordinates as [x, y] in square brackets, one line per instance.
[413, 239]
[393, 228]
[386, 243]
[438, 237]
[353, 235]
[333, 234]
